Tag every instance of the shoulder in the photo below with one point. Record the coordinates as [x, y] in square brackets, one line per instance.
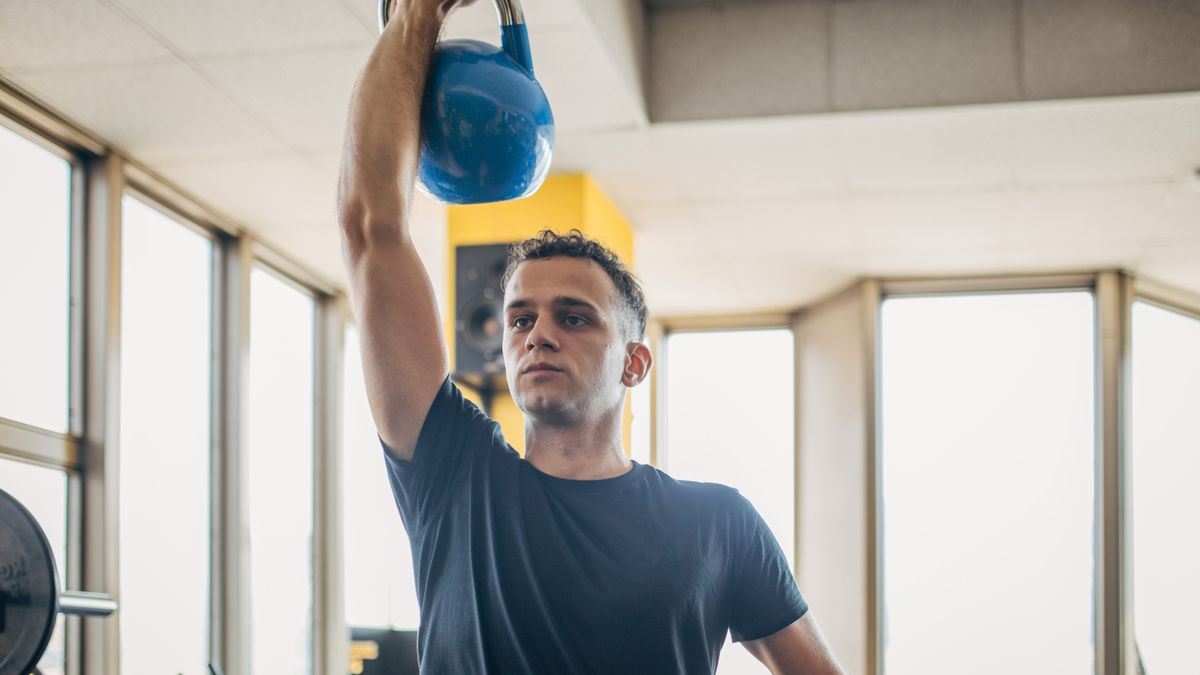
[714, 499]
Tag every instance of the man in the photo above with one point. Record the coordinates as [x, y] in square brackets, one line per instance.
[573, 559]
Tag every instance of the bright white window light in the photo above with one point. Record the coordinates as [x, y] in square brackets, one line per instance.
[1165, 461]
[164, 487]
[380, 587]
[730, 410]
[988, 468]
[281, 456]
[35, 260]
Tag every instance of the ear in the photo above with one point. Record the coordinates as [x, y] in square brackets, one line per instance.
[638, 362]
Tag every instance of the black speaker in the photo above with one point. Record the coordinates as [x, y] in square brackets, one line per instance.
[380, 651]
[479, 316]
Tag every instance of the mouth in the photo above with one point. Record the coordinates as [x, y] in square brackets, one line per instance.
[540, 368]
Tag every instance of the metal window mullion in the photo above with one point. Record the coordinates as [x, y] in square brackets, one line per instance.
[870, 300]
[330, 643]
[656, 340]
[76, 392]
[230, 566]
[73, 575]
[1168, 297]
[101, 407]
[798, 335]
[1115, 652]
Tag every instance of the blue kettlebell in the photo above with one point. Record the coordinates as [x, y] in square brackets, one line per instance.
[487, 132]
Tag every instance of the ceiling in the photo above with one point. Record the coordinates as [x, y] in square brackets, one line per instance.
[242, 105]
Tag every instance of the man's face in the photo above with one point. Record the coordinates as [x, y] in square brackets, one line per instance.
[562, 315]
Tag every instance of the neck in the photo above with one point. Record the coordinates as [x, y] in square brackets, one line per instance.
[586, 451]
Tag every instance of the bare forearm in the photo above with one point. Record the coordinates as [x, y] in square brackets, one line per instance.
[379, 160]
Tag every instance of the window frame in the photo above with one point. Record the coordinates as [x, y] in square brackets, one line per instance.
[42, 447]
[100, 178]
[658, 333]
[1106, 538]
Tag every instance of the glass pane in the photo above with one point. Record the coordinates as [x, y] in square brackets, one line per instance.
[730, 413]
[988, 469]
[380, 586]
[1165, 461]
[35, 262]
[280, 481]
[639, 433]
[44, 492]
[166, 305]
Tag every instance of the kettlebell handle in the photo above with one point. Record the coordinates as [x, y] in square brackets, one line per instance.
[513, 37]
[508, 11]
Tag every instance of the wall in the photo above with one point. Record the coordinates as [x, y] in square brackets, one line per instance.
[835, 429]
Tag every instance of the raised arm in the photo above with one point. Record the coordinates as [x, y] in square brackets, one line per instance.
[403, 351]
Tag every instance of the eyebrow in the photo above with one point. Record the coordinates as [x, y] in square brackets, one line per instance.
[560, 300]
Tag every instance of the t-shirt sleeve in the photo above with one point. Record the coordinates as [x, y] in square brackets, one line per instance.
[765, 596]
[454, 435]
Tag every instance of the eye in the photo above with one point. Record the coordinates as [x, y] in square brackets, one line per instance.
[573, 321]
[521, 322]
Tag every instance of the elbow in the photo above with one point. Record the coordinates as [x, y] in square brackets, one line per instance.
[363, 231]
[353, 227]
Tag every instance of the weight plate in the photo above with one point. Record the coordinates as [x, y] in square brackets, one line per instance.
[28, 588]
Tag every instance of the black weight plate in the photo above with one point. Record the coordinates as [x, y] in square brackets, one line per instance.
[28, 588]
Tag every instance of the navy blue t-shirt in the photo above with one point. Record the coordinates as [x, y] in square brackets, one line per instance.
[519, 571]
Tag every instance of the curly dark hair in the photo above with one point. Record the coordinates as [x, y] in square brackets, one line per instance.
[574, 244]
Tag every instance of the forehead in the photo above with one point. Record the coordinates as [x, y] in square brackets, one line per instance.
[541, 280]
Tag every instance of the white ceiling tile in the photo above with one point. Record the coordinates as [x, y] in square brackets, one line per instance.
[310, 245]
[625, 165]
[1107, 139]
[583, 88]
[479, 20]
[223, 27]
[79, 34]
[808, 228]
[680, 270]
[303, 95]
[1177, 265]
[751, 159]
[937, 148]
[933, 223]
[267, 195]
[782, 283]
[154, 111]
[1086, 217]
[1180, 211]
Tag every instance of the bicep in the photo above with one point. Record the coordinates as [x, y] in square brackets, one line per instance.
[796, 649]
[403, 351]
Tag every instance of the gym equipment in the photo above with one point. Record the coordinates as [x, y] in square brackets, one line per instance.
[487, 132]
[479, 319]
[29, 597]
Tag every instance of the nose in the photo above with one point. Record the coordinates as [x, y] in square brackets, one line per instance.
[543, 335]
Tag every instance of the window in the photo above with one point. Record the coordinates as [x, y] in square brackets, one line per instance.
[35, 206]
[44, 492]
[164, 487]
[730, 413]
[639, 433]
[1165, 461]
[988, 469]
[280, 482]
[380, 586]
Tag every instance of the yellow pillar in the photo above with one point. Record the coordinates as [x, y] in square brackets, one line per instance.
[564, 202]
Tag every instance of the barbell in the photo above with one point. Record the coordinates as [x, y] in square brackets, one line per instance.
[29, 598]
